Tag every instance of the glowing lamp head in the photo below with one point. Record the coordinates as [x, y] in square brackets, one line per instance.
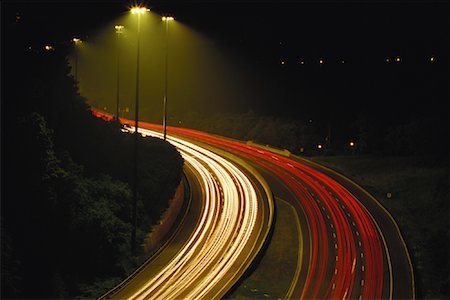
[165, 18]
[119, 28]
[49, 48]
[139, 10]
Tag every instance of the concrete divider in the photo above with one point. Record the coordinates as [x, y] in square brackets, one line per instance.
[160, 230]
[283, 152]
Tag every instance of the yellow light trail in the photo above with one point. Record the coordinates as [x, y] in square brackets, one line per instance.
[215, 250]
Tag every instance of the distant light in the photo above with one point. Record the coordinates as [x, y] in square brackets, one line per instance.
[302, 62]
[77, 41]
[283, 62]
[49, 48]
[388, 60]
[119, 28]
[397, 59]
[165, 18]
[321, 61]
[432, 59]
[343, 61]
[319, 146]
[351, 144]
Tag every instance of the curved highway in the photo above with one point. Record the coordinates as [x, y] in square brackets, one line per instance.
[231, 226]
[349, 250]
[352, 247]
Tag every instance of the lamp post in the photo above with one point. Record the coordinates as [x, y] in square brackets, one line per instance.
[76, 41]
[136, 11]
[166, 20]
[119, 31]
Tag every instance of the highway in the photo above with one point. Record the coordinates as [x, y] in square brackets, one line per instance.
[228, 229]
[346, 253]
[352, 247]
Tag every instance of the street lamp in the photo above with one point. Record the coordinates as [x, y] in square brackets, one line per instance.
[76, 41]
[136, 11]
[119, 31]
[166, 20]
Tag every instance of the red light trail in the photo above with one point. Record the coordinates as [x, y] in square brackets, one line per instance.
[348, 255]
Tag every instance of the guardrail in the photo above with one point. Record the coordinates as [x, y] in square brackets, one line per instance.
[283, 152]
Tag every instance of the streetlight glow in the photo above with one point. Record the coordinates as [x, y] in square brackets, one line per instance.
[166, 19]
[77, 42]
[139, 10]
[119, 31]
[119, 28]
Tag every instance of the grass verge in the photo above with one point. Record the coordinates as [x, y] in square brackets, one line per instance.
[274, 274]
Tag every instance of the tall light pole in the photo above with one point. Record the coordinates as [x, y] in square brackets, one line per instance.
[136, 11]
[76, 41]
[119, 31]
[166, 20]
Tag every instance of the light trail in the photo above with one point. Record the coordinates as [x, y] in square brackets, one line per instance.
[349, 256]
[216, 247]
[331, 211]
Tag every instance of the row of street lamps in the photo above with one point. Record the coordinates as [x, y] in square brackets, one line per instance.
[140, 10]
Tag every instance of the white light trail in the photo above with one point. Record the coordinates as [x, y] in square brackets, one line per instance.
[215, 249]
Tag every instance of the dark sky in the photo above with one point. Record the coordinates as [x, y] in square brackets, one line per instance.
[310, 28]
[264, 34]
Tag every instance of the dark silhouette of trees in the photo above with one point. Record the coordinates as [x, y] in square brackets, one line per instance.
[66, 178]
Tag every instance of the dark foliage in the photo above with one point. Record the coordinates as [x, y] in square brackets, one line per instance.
[417, 136]
[66, 182]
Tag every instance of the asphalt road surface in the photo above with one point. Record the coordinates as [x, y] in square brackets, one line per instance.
[352, 247]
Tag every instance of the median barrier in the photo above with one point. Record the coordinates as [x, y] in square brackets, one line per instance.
[283, 152]
[160, 230]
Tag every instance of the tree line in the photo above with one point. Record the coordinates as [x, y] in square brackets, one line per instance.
[66, 182]
[414, 136]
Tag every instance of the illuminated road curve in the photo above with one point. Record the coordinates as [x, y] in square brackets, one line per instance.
[351, 252]
[352, 247]
[230, 231]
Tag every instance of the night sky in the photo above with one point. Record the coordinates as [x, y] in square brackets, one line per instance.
[282, 42]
